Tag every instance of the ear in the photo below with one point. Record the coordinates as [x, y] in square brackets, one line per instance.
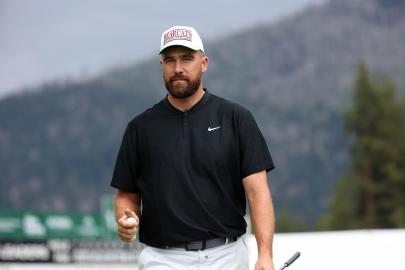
[204, 63]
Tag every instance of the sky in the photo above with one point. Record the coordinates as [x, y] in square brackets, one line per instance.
[47, 40]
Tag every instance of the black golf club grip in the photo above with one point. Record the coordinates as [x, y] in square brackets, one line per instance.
[293, 258]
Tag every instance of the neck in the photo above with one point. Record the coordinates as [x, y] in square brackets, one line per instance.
[185, 104]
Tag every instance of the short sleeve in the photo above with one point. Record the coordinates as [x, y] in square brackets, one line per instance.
[125, 170]
[255, 155]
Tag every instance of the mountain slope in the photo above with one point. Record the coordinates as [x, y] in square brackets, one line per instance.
[58, 145]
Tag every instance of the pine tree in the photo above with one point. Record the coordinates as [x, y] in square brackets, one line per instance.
[371, 194]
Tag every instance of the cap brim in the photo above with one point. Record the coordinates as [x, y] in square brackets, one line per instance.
[181, 43]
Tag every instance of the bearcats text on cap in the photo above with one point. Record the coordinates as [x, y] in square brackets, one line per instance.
[185, 36]
[178, 34]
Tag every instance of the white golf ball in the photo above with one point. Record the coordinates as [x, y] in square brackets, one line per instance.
[131, 220]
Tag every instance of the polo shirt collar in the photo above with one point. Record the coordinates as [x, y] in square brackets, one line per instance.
[165, 102]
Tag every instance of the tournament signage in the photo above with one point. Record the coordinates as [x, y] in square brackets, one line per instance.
[69, 251]
[35, 225]
[28, 236]
[29, 225]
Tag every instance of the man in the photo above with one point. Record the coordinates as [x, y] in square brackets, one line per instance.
[184, 167]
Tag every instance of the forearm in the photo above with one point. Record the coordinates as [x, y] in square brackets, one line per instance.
[261, 212]
[127, 200]
[262, 217]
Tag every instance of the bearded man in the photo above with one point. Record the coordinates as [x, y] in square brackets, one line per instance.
[185, 168]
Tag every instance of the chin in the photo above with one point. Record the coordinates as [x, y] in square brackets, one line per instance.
[181, 94]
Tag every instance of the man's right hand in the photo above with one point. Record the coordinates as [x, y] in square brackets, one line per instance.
[126, 229]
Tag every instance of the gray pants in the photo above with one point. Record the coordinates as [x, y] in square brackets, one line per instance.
[233, 256]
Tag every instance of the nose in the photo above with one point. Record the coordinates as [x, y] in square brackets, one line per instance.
[178, 68]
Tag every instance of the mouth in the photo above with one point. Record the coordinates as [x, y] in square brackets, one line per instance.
[179, 79]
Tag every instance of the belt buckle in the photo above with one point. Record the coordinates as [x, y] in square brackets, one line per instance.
[201, 246]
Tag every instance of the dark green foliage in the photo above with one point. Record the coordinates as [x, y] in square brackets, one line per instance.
[58, 146]
[289, 222]
[372, 193]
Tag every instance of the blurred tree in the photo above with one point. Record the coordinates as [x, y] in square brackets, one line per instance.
[289, 222]
[372, 193]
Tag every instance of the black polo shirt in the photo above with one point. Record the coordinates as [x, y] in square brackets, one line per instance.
[188, 168]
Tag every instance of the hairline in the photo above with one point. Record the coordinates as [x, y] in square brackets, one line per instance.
[179, 46]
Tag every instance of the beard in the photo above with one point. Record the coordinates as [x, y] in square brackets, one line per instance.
[183, 91]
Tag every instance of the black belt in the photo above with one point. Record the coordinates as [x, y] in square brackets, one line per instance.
[205, 244]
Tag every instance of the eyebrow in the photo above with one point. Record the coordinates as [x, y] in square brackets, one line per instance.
[188, 55]
[165, 57]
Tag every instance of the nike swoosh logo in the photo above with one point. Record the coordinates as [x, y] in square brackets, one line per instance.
[214, 128]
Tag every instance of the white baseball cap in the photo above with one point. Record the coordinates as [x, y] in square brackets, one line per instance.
[181, 36]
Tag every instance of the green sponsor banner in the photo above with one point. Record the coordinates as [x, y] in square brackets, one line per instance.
[11, 225]
[108, 216]
[31, 225]
[60, 225]
[39, 225]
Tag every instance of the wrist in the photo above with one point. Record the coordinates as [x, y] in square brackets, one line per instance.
[265, 254]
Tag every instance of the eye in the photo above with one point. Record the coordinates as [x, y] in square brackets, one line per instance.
[187, 59]
[169, 60]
